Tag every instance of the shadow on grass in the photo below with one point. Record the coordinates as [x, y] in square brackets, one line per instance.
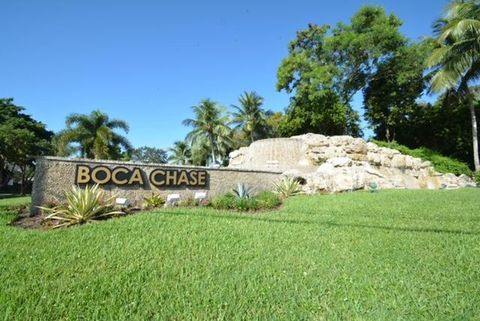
[6, 195]
[246, 217]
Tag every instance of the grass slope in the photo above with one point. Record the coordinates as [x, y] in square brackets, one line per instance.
[441, 163]
[393, 255]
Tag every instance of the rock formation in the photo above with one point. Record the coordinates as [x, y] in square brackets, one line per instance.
[342, 163]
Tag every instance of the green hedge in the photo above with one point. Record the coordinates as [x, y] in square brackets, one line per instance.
[442, 164]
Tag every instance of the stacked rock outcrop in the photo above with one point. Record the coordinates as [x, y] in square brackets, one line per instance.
[342, 163]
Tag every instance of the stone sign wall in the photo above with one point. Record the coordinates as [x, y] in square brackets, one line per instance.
[134, 181]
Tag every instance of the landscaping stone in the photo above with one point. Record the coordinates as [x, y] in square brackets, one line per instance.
[343, 163]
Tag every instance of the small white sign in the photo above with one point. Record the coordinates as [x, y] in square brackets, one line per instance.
[200, 196]
[173, 197]
[122, 201]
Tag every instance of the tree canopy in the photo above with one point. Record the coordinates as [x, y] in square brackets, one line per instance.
[249, 116]
[94, 136]
[21, 139]
[391, 94]
[210, 127]
[455, 61]
[148, 154]
[180, 153]
[327, 66]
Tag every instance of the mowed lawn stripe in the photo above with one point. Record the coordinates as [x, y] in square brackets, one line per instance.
[392, 255]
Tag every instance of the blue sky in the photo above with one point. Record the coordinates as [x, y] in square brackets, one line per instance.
[148, 62]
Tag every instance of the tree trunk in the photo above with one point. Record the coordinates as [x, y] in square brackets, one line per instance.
[214, 161]
[22, 185]
[476, 160]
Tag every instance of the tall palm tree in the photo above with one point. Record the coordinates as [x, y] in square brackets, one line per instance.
[95, 134]
[249, 116]
[181, 153]
[200, 152]
[455, 61]
[210, 123]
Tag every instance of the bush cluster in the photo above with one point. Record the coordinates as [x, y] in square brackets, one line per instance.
[442, 164]
[262, 201]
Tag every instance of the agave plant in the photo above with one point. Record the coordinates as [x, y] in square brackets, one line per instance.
[287, 186]
[373, 187]
[243, 191]
[83, 205]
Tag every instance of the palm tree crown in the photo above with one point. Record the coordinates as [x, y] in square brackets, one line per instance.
[209, 124]
[180, 153]
[455, 60]
[249, 116]
[95, 134]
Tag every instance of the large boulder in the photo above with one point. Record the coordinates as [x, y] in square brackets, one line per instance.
[342, 163]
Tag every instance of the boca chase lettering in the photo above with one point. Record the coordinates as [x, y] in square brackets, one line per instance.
[123, 176]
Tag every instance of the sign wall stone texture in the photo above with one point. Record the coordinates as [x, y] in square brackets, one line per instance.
[134, 181]
[342, 163]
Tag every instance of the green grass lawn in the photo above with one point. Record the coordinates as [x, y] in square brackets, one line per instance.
[7, 203]
[392, 255]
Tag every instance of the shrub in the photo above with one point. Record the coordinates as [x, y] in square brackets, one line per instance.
[245, 204]
[154, 201]
[476, 176]
[243, 191]
[83, 205]
[287, 186]
[188, 201]
[268, 200]
[442, 164]
[265, 200]
[224, 202]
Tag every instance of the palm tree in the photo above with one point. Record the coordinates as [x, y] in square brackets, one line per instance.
[200, 152]
[95, 135]
[181, 153]
[455, 61]
[249, 116]
[210, 123]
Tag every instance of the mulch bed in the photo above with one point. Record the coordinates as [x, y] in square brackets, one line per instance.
[26, 221]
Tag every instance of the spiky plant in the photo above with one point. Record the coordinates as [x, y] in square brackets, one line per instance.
[287, 186]
[373, 187]
[83, 205]
[154, 201]
[243, 191]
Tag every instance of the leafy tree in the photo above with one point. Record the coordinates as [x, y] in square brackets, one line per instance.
[324, 114]
[249, 116]
[455, 61]
[326, 67]
[210, 124]
[180, 153]
[21, 139]
[451, 128]
[443, 127]
[273, 121]
[149, 155]
[95, 135]
[390, 95]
